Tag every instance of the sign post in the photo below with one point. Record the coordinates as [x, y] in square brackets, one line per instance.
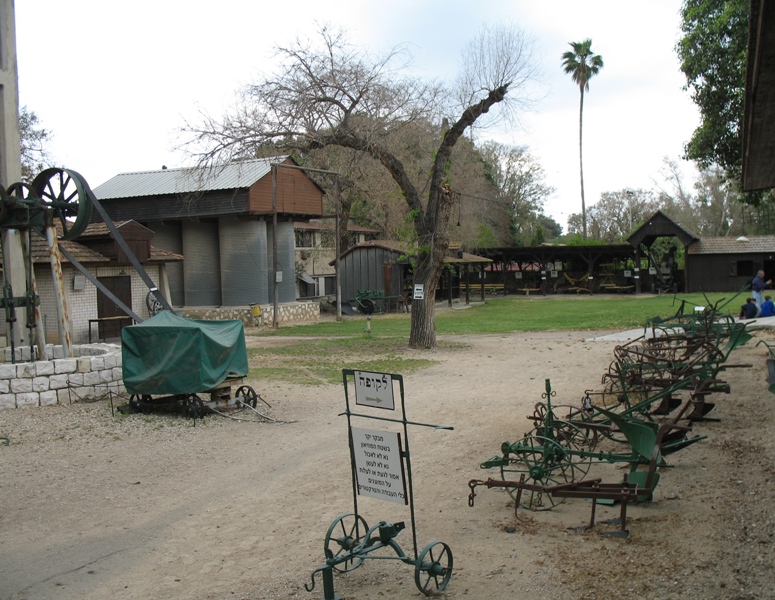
[381, 468]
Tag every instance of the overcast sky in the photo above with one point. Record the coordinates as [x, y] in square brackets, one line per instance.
[113, 81]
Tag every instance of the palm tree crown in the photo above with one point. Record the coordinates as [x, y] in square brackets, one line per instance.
[582, 63]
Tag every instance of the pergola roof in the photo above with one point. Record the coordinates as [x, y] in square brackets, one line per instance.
[660, 225]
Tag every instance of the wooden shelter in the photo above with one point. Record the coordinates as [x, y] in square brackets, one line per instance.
[384, 265]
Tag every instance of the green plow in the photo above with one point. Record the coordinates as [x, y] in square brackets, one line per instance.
[653, 385]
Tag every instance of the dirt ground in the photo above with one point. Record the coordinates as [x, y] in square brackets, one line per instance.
[95, 506]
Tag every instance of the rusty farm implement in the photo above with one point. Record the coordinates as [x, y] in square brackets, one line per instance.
[654, 389]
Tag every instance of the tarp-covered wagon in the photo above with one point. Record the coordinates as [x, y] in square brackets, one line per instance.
[168, 361]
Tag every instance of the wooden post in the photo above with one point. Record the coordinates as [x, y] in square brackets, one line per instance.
[63, 314]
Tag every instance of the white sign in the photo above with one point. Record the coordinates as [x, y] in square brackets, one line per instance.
[627, 273]
[518, 274]
[374, 389]
[554, 274]
[379, 468]
[419, 291]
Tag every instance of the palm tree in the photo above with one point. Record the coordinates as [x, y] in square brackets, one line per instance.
[582, 64]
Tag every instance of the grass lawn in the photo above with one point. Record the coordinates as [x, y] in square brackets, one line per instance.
[329, 347]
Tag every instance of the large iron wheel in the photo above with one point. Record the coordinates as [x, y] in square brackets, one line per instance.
[192, 407]
[433, 568]
[19, 190]
[247, 395]
[345, 533]
[68, 194]
[543, 462]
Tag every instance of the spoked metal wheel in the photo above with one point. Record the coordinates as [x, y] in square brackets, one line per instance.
[19, 191]
[433, 568]
[345, 533]
[192, 407]
[544, 462]
[68, 194]
[247, 395]
[16, 191]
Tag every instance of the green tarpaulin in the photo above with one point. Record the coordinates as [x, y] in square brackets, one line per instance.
[168, 354]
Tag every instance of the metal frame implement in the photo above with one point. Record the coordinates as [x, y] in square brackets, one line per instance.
[381, 468]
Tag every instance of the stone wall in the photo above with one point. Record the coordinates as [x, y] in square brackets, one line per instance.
[91, 374]
[289, 313]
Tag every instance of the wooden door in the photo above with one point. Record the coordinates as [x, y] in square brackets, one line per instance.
[114, 318]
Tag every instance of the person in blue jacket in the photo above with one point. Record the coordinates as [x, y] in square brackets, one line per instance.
[757, 286]
[768, 307]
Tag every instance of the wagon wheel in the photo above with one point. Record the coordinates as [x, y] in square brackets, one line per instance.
[544, 462]
[433, 568]
[574, 436]
[152, 304]
[16, 191]
[140, 404]
[68, 194]
[192, 407]
[367, 306]
[345, 534]
[247, 395]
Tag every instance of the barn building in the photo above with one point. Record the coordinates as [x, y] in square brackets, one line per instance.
[221, 221]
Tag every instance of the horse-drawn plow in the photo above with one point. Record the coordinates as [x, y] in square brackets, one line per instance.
[653, 393]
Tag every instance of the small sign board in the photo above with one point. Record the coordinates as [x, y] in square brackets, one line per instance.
[652, 271]
[627, 273]
[379, 467]
[374, 389]
[419, 291]
[518, 274]
[554, 274]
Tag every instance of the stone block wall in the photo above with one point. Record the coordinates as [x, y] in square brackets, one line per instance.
[289, 313]
[91, 374]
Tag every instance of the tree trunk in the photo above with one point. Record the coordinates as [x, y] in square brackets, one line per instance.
[344, 220]
[581, 169]
[423, 333]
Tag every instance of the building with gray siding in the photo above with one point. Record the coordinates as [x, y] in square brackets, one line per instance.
[223, 222]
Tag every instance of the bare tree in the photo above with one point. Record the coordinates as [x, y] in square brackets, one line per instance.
[34, 139]
[337, 95]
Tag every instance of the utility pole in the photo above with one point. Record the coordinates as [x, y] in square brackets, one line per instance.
[10, 157]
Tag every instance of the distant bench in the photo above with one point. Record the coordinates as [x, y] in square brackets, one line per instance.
[489, 288]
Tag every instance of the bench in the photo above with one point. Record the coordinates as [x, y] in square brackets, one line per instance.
[489, 288]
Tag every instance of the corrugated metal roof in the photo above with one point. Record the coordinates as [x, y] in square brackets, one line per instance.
[236, 175]
[732, 245]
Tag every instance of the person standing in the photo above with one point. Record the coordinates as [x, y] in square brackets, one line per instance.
[757, 287]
